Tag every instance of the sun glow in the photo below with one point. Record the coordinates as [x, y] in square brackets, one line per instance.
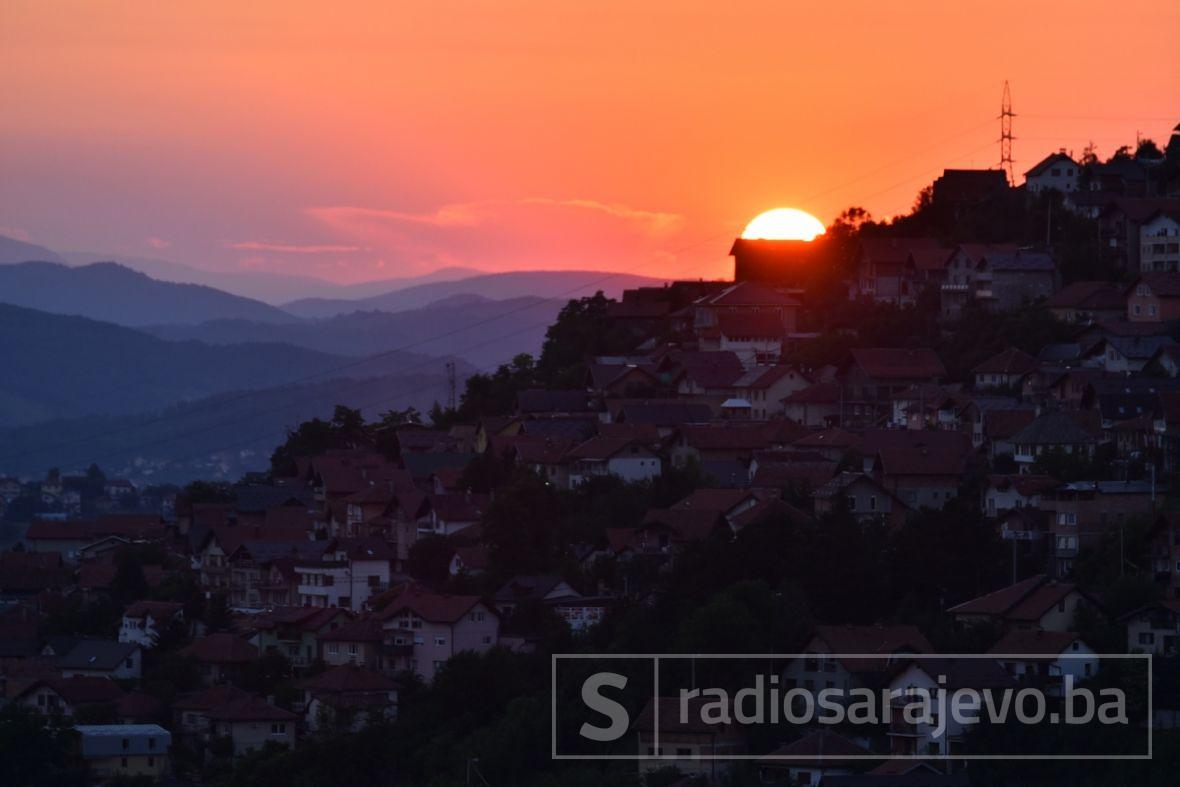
[784, 224]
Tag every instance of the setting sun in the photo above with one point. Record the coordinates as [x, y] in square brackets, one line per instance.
[784, 224]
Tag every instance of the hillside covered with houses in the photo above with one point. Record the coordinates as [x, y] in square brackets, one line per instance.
[954, 432]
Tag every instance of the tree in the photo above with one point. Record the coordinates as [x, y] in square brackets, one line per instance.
[430, 559]
[583, 328]
[217, 615]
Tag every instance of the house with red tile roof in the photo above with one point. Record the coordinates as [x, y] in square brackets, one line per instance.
[427, 628]
[871, 376]
[251, 723]
[622, 457]
[689, 743]
[832, 656]
[65, 696]
[1044, 658]
[1002, 493]
[1004, 370]
[813, 759]
[221, 656]
[1088, 301]
[895, 270]
[348, 697]
[1034, 603]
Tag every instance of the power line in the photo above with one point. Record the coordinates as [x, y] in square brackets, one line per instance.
[1006, 134]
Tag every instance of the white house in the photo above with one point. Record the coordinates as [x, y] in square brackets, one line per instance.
[1154, 628]
[1159, 242]
[623, 457]
[102, 658]
[1057, 172]
[936, 736]
[1045, 657]
[143, 620]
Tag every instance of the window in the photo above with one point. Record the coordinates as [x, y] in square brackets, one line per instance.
[683, 752]
[333, 648]
[440, 641]
[1146, 638]
[487, 640]
[278, 728]
[1151, 310]
[126, 744]
[151, 762]
[419, 641]
[352, 648]
[151, 743]
[852, 502]
[124, 762]
[872, 502]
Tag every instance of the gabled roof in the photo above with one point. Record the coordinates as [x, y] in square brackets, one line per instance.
[865, 640]
[1049, 161]
[1010, 361]
[1027, 600]
[820, 748]
[1019, 260]
[890, 251]
[601, 449]
[222, 648]
[927, 461]
[960, 673]
[250, 708]
[1161, 285]
[890, 363]
[747, 293]
[1002, 424]
[80, 690]
[366, 629]
[158, 610]
[347, 679]
[1090, 295]
[212, 697]
[829, 438]
[1053, 428]
[430, 606]
[537, 400]
[97, 654]
[743, 325]
[1035, 643]
[525, 587]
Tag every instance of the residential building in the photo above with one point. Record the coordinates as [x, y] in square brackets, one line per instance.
[1056, 172]
[1159, 241]
[1154, 297]
[1088, 301]
[348, 698]
[428, 628]
[101, 658]
[861, 496]
[939, 737]
[1053, 431]
[1004, 370]
[1045, 658]
[850, 657]
[251, 723]
[124, 750]
[221, 657]
[622, 457]
[816, 758]
[691, 745]
[1154, 628]
[1034, 603]
[297, 632]
[143, 621]
[66, 696]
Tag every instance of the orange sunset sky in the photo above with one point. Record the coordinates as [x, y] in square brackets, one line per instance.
[355, 141]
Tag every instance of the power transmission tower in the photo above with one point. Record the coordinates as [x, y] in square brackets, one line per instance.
[451, 404]
[1006, 134]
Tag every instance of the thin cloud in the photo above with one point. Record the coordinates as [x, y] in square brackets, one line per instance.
[469, 214]
[16, 233]
[157, 243]
[289, 248]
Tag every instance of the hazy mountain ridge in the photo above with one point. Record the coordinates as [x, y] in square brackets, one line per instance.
[114, 293]
[270, 287]
[14, 250]
[465, 325]
[497, 286]
[63, 366]
[222, 436]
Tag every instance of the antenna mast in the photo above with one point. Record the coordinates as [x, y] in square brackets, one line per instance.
[1006, 134]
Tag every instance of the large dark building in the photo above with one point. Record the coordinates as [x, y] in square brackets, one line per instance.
[785, 262]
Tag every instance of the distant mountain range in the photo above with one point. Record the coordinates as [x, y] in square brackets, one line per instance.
[13, 251]
[63, 367]
[114, 293]
[465, 326]
[266, 286]
[543, 284]
[220, 437]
